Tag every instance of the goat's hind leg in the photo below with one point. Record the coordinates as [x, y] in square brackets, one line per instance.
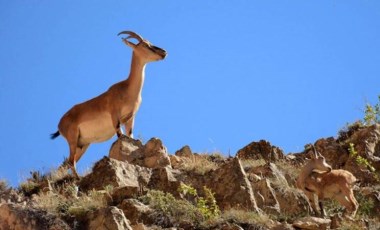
[72, 162]
[354, 203]
[345, 201]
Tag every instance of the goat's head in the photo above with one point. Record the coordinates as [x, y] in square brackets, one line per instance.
[144, 49]
[318, 162]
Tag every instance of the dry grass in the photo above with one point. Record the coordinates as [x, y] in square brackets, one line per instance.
[199, 164]
[58, 174]
[3, 185]
[289, 169]
[72, 205]
[246, 217]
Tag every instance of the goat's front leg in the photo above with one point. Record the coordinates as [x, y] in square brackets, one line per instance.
[129, 127]
[323, 213]
[117, 126]
[119, 130]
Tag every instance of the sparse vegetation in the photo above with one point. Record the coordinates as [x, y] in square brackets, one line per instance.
[3, 185]
[206, 205]
[199, 163]
[69, 204]
[244, 216]
[289, 170]
[58, 194]
[366, 205]
[372, 113]
[29, 187]
[361, 161]
[175, 210]
[194, 209]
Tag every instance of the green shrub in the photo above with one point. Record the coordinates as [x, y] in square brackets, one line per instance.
[176, 210]
[207, 204]
[366, 205]
[372, 113]
[29, 187]
[359, 159]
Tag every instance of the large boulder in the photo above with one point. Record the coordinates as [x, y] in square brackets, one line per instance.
[164, 179]
[232, 187]
[273, 192]
[116, 173]
[108, 218]
[265, 196]
[261, 150]
[312, 223]
[185, 151]
[136, 212]
[151, 155]
[125, 149]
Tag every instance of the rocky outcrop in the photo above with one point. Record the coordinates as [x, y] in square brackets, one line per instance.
[136, 212]
[312, 223]
[107, 218]
[261, 150]
[273, 192]
[265, 196]
[264, 189]
[232, 187]
[366, 142]
[151, 155]
[115, 173]
[164, 179]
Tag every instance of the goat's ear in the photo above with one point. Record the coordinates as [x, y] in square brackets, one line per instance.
[314, 155]
[315, 152]
[128, 43]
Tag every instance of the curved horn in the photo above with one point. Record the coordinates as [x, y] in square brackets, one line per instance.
[131, 35]
[315, 151]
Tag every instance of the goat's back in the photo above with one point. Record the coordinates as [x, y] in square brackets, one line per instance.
[337, 176]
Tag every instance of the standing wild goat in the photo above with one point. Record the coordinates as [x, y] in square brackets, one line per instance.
[98, 119]
[317, 177]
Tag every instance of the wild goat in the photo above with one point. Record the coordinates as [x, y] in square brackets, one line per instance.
[317, 177]
[98, 119]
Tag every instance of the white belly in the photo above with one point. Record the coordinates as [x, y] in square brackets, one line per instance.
[98, 129]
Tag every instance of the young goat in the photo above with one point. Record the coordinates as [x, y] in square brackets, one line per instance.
[327, 183]
[98, 119]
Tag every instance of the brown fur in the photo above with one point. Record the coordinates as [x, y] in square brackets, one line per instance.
[333, 184]
[99, 118]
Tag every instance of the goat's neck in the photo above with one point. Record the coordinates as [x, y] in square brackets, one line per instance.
[136, 75]
[305, 173]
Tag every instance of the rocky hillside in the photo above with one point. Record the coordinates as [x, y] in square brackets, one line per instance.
[142, 186]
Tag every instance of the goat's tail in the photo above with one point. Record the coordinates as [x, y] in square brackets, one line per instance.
[54, 135]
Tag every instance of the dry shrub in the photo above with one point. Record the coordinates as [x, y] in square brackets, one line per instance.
[3, 185]
[289, 170]
[245, 217]
[199, 164]
[67, 203]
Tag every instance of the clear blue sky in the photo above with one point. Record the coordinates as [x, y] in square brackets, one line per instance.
[289, 72]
